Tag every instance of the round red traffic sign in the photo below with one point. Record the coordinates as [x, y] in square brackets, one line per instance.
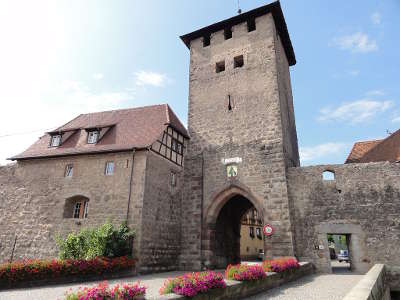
[268, 230]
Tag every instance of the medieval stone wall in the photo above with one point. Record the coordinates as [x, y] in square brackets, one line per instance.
[34, 193]
[363, 201]
[290, 145]
[161, 216]
[252, 130]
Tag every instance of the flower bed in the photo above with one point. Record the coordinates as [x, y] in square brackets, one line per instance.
[191, 284]
[280, 265]
[103, 291]
[244, 272]
[31, 270]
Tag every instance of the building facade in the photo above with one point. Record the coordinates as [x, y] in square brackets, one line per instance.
[117, 166]
[186, 198]
[251, 236]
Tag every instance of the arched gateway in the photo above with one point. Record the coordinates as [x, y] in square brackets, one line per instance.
[222, 222]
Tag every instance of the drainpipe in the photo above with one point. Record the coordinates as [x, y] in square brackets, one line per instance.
[130, 185]
[201, 205]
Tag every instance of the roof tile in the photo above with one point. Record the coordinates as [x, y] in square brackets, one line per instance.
[128, 129]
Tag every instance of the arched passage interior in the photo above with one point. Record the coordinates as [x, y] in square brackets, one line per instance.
[223, 234]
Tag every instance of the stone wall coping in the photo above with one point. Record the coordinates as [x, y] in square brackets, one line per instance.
[241, 289]
[371, 286]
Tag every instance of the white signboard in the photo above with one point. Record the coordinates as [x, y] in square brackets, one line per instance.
[233, 160]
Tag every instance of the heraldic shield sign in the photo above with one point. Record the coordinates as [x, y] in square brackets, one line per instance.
[232, 170]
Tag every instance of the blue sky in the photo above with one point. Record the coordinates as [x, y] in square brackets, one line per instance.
[62, 58]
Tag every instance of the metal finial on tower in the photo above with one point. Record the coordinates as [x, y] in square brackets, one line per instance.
[239, 10]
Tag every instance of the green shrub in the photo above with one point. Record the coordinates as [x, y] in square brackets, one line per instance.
[105, 241]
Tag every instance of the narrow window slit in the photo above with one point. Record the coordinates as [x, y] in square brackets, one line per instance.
[230, 103]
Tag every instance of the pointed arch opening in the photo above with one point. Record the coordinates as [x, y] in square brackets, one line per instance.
[230, 217]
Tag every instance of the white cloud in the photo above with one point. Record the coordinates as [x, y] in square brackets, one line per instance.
[376, 18]
[346, 74]
[358, 42]
[46, 108]
[374, 93]
[354, 73]
[356, 111]
[150, 78]
[396, 119]
[75, 94]
[98, 76]
[396, 116]
[317, 152]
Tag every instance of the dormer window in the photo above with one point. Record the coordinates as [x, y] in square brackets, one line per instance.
[93, 137]
[55, 140]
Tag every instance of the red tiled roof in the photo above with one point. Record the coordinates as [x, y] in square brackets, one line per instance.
[387, 149]
[359, 149]
[127, 129]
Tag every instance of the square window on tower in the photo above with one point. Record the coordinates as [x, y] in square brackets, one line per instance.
[220, 66]
[228, 33]
[206, 40]
[238, 61]
[251, 25]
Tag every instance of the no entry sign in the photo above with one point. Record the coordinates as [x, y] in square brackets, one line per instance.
[268, 230]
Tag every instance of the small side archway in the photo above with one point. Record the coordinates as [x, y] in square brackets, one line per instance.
[222, 224]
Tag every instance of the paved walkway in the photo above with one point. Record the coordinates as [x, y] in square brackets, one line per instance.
[314, 287]
[153, 282]
[329, 286]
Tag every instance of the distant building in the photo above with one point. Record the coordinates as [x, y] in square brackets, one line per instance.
[251, 236]
[387, 149]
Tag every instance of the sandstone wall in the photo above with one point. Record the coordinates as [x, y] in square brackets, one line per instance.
[252, 130]
[161, 217]
[364, 201]
[34, 193]
[290, 146]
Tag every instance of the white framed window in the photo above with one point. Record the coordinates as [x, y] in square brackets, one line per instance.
[251, 233]
[258, 233]
[93, 137]
[81, 210]
[86, 209]
[55, 140]
[69, 170]
[173, 179]
[109, 170]
[176, 146]
[77, 210]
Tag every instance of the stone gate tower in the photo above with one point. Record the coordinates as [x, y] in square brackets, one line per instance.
[243, 136]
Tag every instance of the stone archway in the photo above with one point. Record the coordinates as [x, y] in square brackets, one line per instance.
[221, 226]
